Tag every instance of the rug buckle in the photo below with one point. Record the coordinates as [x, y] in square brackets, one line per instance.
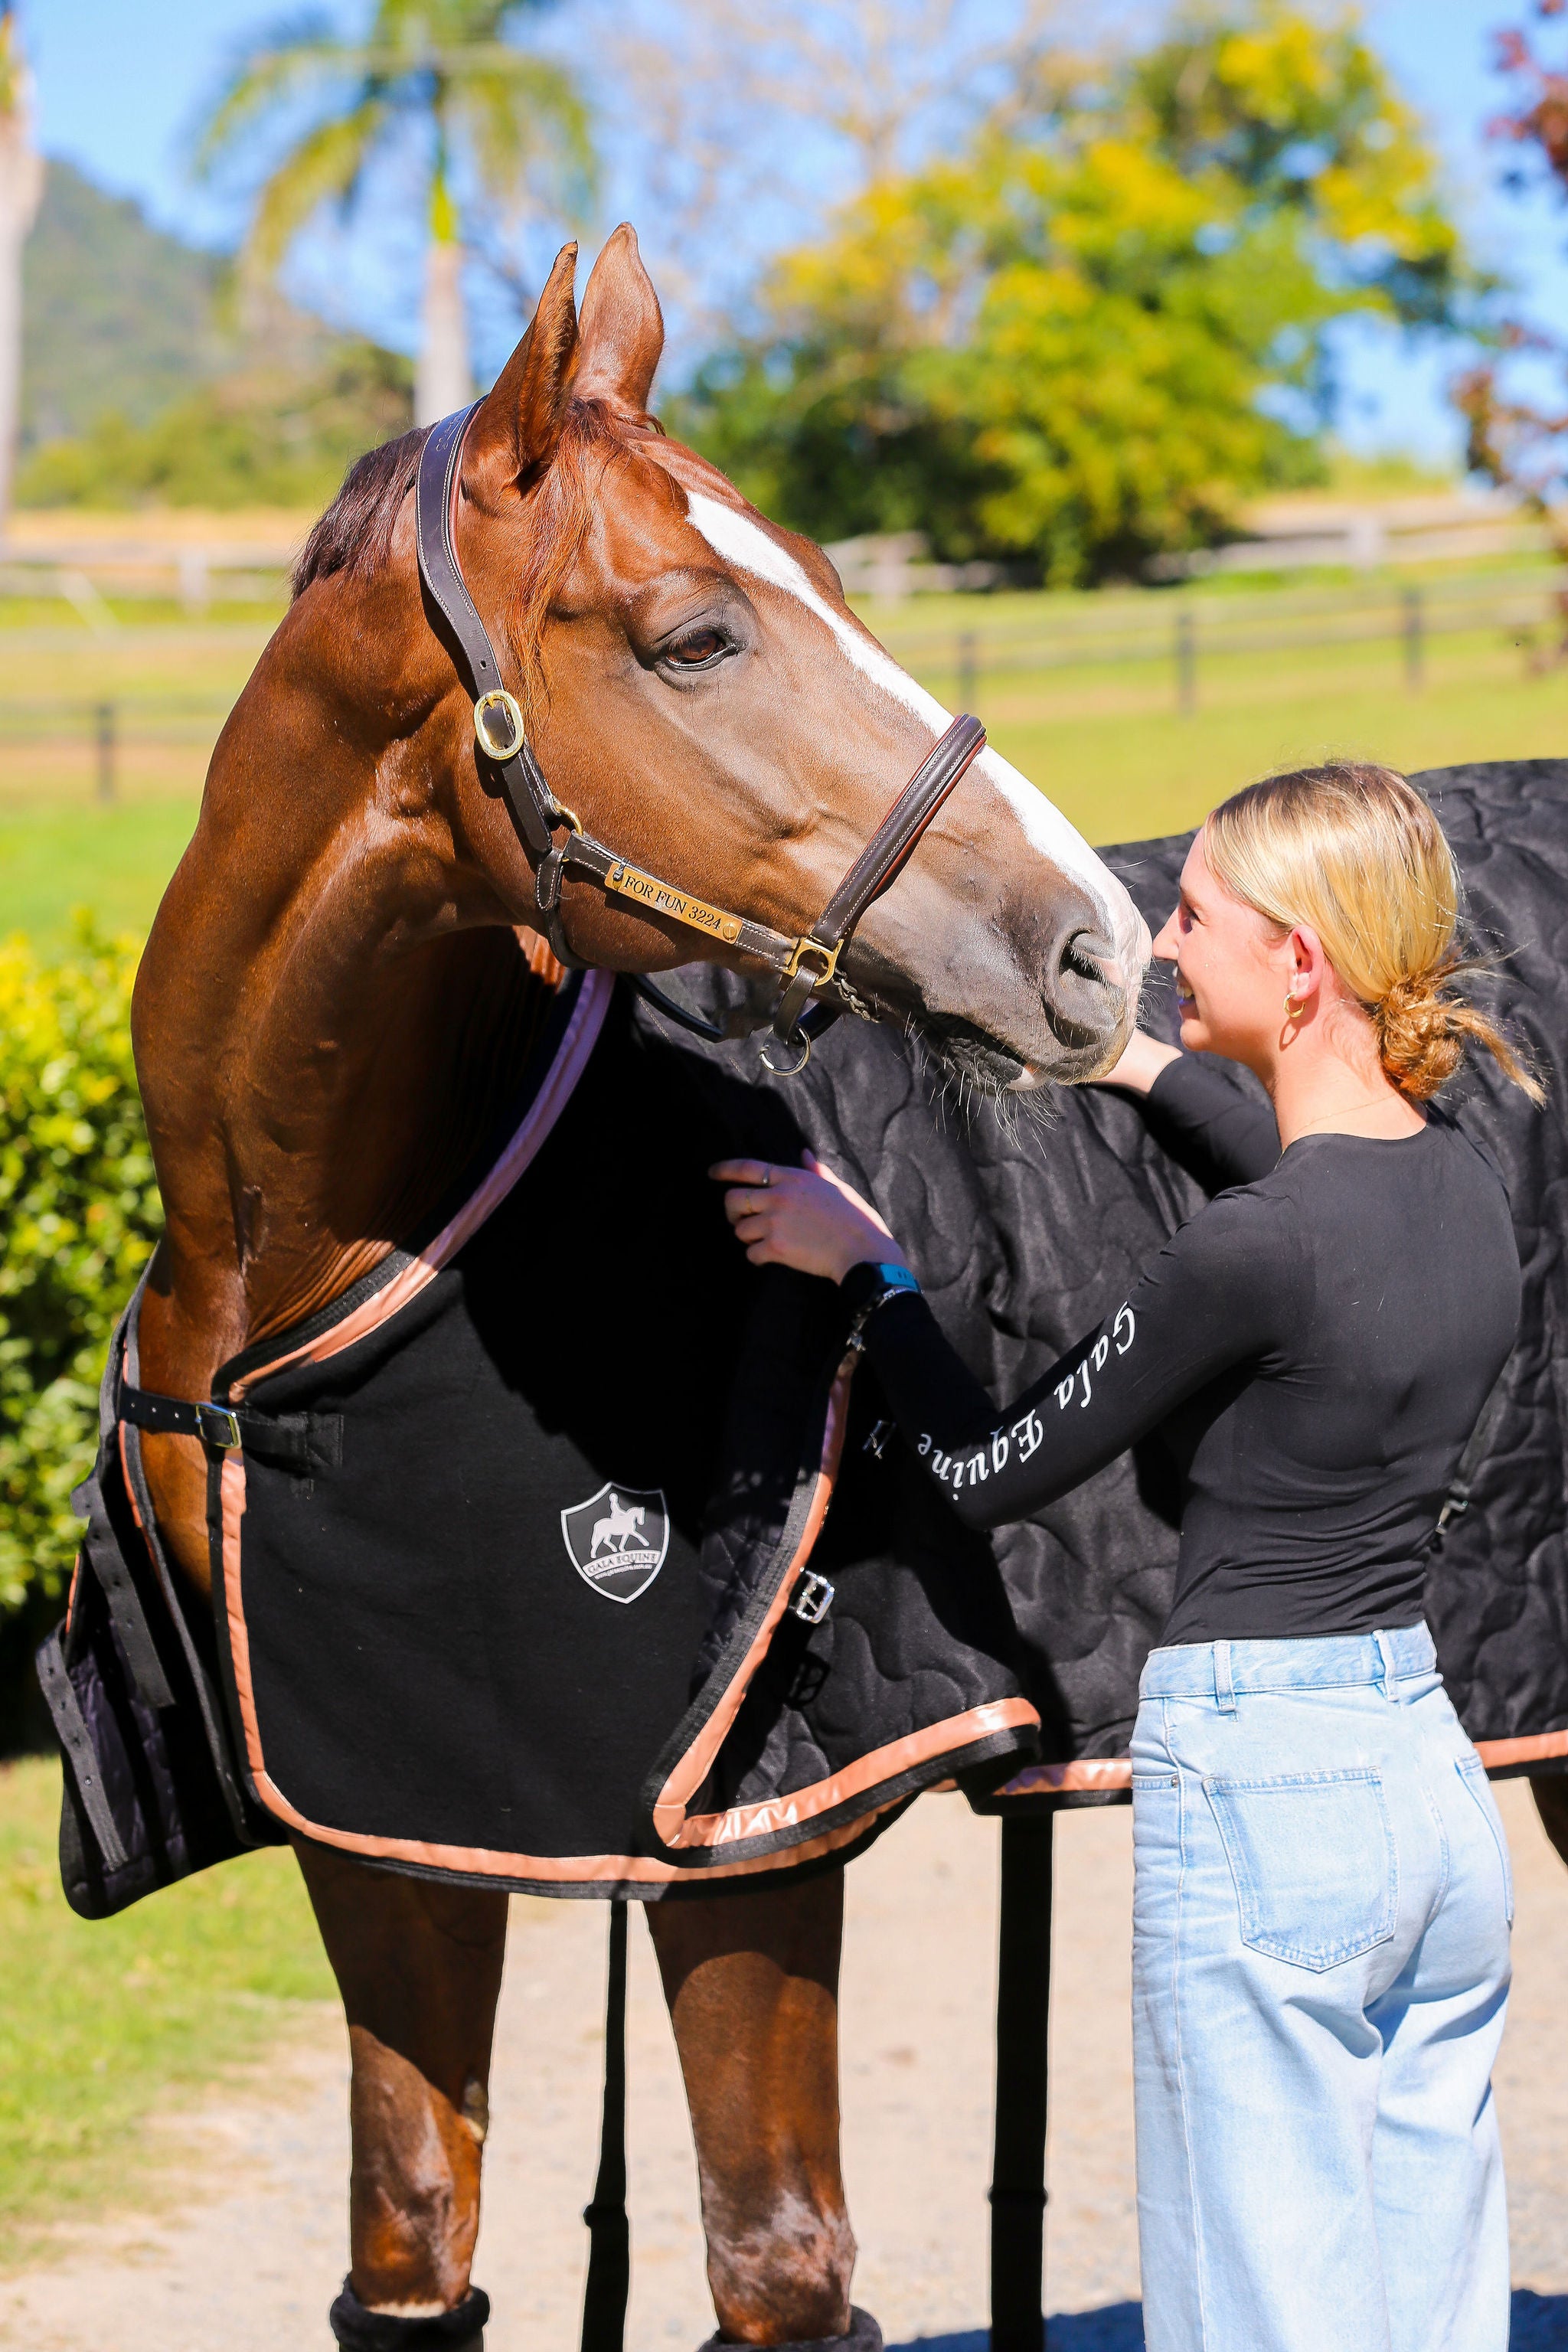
[813, 1598]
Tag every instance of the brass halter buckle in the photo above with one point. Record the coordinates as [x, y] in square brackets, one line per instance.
[497, 704]
[810, 946]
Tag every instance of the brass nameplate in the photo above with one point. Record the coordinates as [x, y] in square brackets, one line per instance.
[660, 899]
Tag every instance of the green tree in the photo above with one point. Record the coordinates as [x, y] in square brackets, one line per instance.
[434, 81]
[259, 437]
[1075, 345]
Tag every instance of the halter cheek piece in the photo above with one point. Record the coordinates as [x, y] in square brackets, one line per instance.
[555, 837]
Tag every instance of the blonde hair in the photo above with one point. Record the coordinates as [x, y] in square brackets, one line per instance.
[1356, 853]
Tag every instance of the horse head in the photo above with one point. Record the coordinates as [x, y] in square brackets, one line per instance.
[335, 999]
[698, 691]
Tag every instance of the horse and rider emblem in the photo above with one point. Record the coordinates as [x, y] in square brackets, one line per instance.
[617, 1540]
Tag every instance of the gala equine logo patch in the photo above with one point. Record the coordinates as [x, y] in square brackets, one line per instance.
[617, 1540]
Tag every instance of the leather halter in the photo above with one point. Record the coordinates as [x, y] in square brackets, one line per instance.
[555, 836]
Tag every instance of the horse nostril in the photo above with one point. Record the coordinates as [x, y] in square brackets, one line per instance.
[1085, 956]
[1082, 992]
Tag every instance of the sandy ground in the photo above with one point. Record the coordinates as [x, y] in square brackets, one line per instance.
[250, 2259]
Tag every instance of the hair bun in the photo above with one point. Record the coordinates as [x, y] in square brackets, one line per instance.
[1420, 1034]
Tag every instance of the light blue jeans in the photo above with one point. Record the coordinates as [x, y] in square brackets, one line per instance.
[1321, 1969]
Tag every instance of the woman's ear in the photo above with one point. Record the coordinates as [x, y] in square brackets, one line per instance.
[1308, 964]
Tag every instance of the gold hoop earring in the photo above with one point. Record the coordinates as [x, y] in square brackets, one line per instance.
[1294, 1007]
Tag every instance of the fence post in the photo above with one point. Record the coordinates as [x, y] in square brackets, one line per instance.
[1415, 639]
[1187, 662]
[968, 670]
[105, 721]
[195, 586]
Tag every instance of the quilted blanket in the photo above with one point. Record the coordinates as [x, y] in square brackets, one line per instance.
[1027, 1224]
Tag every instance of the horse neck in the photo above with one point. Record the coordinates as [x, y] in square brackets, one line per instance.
[330, 1019]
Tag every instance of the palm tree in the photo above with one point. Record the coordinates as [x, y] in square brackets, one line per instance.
[21, 185]
[434, 83]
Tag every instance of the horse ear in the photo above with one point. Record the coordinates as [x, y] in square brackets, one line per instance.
[520, 421]
[622, 328]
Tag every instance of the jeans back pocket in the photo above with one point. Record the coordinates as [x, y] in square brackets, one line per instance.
[1313, 1859]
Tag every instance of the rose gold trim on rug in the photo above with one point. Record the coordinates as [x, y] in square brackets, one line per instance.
[231, 1503]
[554, 1094]
[882, 1764]
[125, 1470]
[1534, 1749]
[1098, 1773]
[669, 1812]
[571, 1870]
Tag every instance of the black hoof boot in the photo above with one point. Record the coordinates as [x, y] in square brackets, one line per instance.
[864, 2336]
[460, 2330]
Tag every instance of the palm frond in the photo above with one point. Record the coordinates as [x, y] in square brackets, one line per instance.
[512, 121]
[326, 163]
[288, 61]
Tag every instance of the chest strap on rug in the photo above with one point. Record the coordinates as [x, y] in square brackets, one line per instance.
[101, 1553]
[65, 1707]
[294, 1441]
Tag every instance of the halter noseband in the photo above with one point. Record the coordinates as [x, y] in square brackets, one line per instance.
[556, 836]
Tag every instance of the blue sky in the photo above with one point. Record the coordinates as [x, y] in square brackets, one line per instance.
[119, 83]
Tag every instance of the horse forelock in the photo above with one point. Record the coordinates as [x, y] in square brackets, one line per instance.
[594, 437]
[354, 534]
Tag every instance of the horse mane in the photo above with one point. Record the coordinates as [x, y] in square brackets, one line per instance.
[354, 534]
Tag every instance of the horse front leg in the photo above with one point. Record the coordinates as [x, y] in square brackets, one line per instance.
[752, 1981]
[419, 1969]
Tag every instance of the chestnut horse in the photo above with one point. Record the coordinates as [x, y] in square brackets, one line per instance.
[331, 1012]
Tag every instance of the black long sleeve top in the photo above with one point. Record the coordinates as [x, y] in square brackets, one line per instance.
[1314, 1346]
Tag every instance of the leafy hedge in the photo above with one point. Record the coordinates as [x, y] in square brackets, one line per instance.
[78, 1218]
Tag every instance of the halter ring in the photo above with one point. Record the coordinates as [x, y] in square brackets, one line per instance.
[795, 1069]
[497, 700]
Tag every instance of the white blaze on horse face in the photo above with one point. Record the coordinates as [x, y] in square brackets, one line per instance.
[743, 542]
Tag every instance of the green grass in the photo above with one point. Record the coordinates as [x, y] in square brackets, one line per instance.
[114, 861]
[102, 2021]
[1123, 773]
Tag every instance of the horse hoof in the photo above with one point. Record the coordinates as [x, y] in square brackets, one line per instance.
[864, 2336]
[461, 2329]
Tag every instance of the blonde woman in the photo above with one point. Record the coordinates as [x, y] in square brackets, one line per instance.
[1322, 1898]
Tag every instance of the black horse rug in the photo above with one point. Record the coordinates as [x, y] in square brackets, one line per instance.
[526, 1569]
[520, 1562]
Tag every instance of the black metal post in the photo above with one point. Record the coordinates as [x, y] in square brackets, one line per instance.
[1415, 639]
[608, 2287]
[105, 724]
[1187, 662]
[1023, 2026]
[968, 670]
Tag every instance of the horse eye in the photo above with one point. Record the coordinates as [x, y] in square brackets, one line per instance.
[699, 646]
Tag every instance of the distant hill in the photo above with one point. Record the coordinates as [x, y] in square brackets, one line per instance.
[117, 315]
[139, 386]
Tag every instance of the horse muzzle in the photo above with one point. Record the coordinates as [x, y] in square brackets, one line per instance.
[1090, 981]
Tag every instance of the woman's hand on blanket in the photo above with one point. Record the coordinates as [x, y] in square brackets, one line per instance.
[806, 1217]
